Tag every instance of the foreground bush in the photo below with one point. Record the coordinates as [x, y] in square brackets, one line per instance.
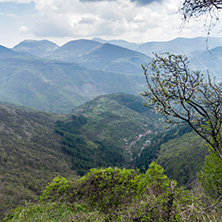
[114, 194]
[211, 176]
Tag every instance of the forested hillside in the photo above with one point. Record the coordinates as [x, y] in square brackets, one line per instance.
[30, 155]
[179, 150]
[111, 130]
[36, 146]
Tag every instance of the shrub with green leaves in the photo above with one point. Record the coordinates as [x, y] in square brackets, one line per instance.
[159, 198]
[114, 194]
[108, 188]
[58, 189]
[211, 176]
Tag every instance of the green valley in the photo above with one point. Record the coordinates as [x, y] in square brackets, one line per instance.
[112, 130]
[36, 146]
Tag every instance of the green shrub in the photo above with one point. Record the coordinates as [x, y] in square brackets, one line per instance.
[58, 189]
[113, 194]
[107, 189]
[211, 176]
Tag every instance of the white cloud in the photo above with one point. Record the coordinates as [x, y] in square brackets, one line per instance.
[120, 18]
[9, 15]
[125, 19]
[87, 20]
[24, 30]
[17, 1]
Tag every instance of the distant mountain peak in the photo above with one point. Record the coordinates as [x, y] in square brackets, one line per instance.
[78, 47]
[36, 42]
[36, 47]
[111, 51]
[4, 49]
[119, 42]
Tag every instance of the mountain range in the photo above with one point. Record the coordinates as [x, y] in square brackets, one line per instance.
[180, 45]
[57, 86]
[42, 75]
[92, 120]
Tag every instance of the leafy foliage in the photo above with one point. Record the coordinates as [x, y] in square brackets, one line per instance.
[114, 194]
[56, 189]
[211, 176]
[107, 189]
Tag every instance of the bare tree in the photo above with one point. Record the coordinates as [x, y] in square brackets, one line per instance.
[197, 8]
[185, 96]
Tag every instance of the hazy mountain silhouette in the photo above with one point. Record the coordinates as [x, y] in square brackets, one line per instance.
[180, 45]
[34, 47]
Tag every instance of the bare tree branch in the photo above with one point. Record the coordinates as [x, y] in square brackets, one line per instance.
[214, 205]
[197, 8]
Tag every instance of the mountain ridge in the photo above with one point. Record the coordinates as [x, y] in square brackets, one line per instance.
[56, 86]
[180, 45]
[44, 81]
[36, 47]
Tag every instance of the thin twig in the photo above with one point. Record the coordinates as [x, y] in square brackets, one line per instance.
[214, 205]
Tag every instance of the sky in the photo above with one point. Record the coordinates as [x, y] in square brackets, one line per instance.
[63, 20]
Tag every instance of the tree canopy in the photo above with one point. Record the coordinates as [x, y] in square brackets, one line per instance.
[185, 96]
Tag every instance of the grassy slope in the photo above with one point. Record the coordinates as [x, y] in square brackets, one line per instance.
[30, 155]
[183, 157]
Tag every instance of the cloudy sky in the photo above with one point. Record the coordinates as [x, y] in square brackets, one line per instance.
[64, 20]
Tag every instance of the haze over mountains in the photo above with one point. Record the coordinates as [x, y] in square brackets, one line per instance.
[57, 79]
[181, 45]
[57, 86]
